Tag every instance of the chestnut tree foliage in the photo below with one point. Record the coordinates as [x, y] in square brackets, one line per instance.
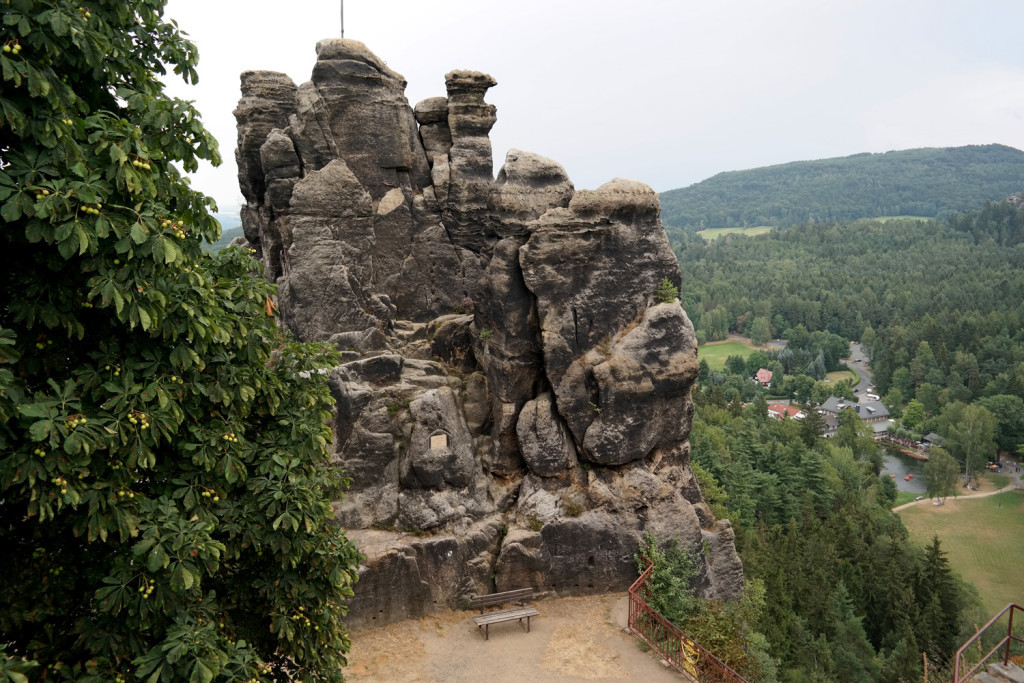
[164, 479]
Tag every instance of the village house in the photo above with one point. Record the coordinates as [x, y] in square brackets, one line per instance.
[763, 377]
[779, 411]
[872, 412]
[831, 424]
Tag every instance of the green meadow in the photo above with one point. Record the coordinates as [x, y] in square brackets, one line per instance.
[840, 375]
[715, 353]
[981, 537]
[714, 233]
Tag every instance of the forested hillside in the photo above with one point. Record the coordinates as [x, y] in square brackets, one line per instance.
[230, 226]
[919, 182]
[844, 277]
[847, 596]
[938, 304]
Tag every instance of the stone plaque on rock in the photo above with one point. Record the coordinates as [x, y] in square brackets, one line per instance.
[438, 442]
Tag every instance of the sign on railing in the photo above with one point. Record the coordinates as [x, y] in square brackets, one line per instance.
[669, 641]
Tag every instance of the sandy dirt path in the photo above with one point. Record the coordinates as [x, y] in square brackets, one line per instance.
[573, 639]
[985, 490]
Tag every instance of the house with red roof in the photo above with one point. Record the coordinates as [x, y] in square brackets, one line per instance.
[780, 411]
[763, 377]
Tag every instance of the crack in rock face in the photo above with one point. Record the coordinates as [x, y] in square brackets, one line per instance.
[513, 403]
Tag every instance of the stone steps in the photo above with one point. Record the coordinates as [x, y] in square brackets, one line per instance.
[997, 673]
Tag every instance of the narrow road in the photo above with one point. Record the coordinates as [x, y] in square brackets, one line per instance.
[859, 363]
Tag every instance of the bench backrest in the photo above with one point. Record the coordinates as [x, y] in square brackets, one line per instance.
[517, 595]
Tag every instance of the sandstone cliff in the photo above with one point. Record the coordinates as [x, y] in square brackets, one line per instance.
[514, 406]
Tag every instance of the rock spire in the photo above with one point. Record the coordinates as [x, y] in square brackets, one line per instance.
[514, 403]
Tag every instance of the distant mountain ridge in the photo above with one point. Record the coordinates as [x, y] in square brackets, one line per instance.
[231, 227]
[927, 182]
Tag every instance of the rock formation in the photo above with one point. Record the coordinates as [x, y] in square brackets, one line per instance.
[514, 406]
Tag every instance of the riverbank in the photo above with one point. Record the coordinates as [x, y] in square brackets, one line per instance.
[909, 452]
[984, 489]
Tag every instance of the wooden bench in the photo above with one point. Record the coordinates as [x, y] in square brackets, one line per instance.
[523, 611]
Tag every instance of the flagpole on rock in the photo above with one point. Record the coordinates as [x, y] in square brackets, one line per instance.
[342, 18]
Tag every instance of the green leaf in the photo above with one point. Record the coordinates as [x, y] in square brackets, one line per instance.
[200, 673]
[139, 234]
[142, 546]
[102, 227]
[83, 239]
[34, 410]
[157, 559]
[181, 577]
[117, 154]
[171, 251]
[38, 86]
[40, 431]
[11, 211]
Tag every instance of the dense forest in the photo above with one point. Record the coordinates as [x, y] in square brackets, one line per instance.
[939, 305]
[846, 595]
[930, 183]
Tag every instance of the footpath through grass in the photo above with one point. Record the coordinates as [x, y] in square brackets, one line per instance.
[982, 537]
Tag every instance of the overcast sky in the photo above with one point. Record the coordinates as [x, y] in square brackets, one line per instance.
[669, 92]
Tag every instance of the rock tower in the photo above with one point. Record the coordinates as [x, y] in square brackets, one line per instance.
[513, 406]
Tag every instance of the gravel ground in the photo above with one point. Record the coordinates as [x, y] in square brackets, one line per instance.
[573, 639]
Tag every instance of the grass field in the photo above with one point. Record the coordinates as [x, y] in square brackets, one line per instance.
[886, 219]
[714, 233]
[840, 375]
[905, 497]
[998, 481]
[715, 353]
[982, 540]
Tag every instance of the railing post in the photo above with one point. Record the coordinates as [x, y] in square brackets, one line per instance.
[1011, 608]
[1009, 639]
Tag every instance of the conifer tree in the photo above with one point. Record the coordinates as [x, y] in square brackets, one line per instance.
[939, 600]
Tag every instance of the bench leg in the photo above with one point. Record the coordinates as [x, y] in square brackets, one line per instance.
[487, 634]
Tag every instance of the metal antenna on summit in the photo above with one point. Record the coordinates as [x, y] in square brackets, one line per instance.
[342, 18]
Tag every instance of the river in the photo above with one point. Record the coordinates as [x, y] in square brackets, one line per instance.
[901, 466]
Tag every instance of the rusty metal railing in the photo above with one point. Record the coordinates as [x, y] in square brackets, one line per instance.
[669, 641]
[959, 663]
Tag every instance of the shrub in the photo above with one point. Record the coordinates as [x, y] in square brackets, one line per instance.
[571, 507]
[666, 292]
[723, 628]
